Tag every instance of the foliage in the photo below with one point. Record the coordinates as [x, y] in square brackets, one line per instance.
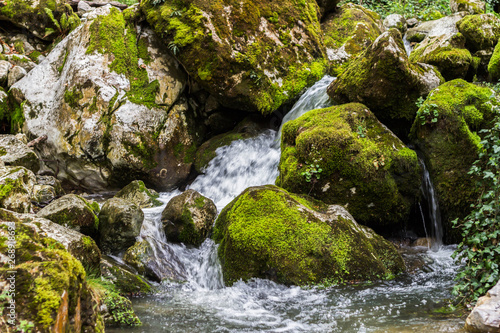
[361, 128]
[479, 248]
[312, 171]
[421, 9]
[67, 22]
[427, 113]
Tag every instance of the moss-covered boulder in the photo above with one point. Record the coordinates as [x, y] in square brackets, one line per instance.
[344, 155]
[13, 152]
[445, 130]
[442, 26]
[74, 212]
[267, 232]
[385, 81]
[481, 31]
[51, 291]
[348, 32]
[46, 19]
[494, 63]
[16, 186]
[124, 280]
[156, 262]
[253, 55]
[396, 21]
[137, 193]
[111, 103]
[120, 223]
[447, 52]
[470, 6]
[188, 218]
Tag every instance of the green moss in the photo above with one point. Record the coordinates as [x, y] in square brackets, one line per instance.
[478, 37]
[10, 186]
[72, 97]
[494, 64]
[34, 56]
[19, 47]
[60, 68]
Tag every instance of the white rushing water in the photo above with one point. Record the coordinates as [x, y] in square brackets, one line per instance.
[433, 208]
[203, 304]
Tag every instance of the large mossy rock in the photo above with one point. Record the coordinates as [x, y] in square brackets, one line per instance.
[46, 19]
[348, 32]
[481, 31]
[14, 152]
[74, 212]
[252, 55]
[267, 232]
[445, 130]
[447, 52]
[110, 101]
[120, 223]
[156, 262]
[123, 279]
[137, 193]
[51, 291]
[470, 6]
[16, 187]
[188, 218]
[494, 63]
[385, 80]
[344, 155]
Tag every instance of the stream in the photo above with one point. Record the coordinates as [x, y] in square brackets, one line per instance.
[203, 304]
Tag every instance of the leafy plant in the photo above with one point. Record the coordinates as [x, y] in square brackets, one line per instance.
[361, 128]
[428, 113]
[157, 2]
[26, 326]
[176, 13]
[479, 249]
[172, 46]
[312, 172]
[421, 9]
[67, 21]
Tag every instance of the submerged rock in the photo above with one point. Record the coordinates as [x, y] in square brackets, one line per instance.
[251, 55]
[485, 317]
[445, 130]
[267, 232]
[157, 262]
[344, 155]
[120, 223]
[14, 152]
[137, 193]
[188, 218]
[385, 81]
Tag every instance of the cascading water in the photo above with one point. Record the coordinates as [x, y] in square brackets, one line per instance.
[407, 45]
[433, 208]
[203, 304]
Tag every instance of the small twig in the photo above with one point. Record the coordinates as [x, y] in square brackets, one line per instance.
[37, 141]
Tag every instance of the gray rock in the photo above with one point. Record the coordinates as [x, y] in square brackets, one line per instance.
[120, 224]
[43, 194]
[5, 66]
[137, 193]
[74, 212]
[188, 218]
[396, 21]
[157, 262]
[442, 26]
[412, 22]
[470, 6]
[50, 181]
[16, 185]
[125, 279]
[15, 74]
[485, 317]
[83, 8]
[21, 61]
[15, 153]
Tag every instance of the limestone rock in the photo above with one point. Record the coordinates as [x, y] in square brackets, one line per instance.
[188, 218]
[15, 74]
[267, 232]
[442, 26]
[119, 225]
[13, 152]
[396, 21]
[16, 186]
[5, 66]
[485, 317]
[137, 193]
[470, 6]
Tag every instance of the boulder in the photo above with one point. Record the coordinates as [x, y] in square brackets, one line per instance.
[485, 317]
[19, 60]
[251, 55]
[481, 31]
[14, 152]
[348, 32]
[447, 52]
[15, 74]
[74, 212]
[396, 21]
[16, 186]
[188, 218]
[51, 290]
[120, 224]
[470, 6]
[344, 155]
[122, 277]
[385, 81]
[445, 131]
[158, 263]
[267, 232]
[110, 101]
[494, 63]
[5, 67]
[137, 193]
[442, 26]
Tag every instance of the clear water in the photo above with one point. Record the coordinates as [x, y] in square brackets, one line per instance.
[203, 304]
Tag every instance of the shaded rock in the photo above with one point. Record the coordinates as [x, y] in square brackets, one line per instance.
[446, 52]
[327, 6]
[267, 232]
[385, 81]
[5, 66]
[481, 31]
[446, 131]
[349, 32]
[442, 26]
[188, 218]
[119, 225]
[159, 263]
[74, 212]
[112, 107]
[125, 280]
[51, 288]
[470, 6]
[251, 56]
[137, 193]
[16, 186]
[485, 317]
[494, 63]
[395, 21]
[15, 74]
[13, 152]
[344, 155]
[43, 194]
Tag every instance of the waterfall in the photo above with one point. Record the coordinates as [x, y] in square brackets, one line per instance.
[407, 45]
[433, 207]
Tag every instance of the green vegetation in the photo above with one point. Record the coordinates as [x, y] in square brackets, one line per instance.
[422, 9]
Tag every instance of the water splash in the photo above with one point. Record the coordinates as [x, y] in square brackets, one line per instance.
[433, 207]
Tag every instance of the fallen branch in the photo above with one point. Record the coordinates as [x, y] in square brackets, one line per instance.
[37, 141]
[98, 4]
